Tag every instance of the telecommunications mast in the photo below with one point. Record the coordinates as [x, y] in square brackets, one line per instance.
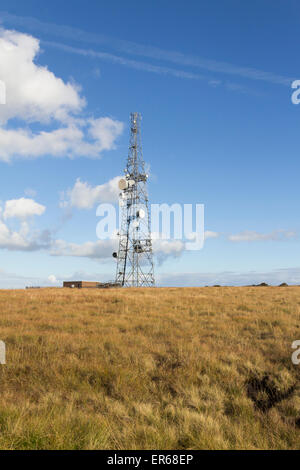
[135, 257]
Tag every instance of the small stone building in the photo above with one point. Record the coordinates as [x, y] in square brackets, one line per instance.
[90, 284]
[81, 284]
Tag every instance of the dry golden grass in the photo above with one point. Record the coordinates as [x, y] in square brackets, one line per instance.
[150, 368]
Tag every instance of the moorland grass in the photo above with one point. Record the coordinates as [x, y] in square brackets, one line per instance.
[169, 368]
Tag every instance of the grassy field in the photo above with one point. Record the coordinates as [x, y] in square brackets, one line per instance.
[174, 368]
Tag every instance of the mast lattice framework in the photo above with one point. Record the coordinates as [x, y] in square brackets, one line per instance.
[135, 257]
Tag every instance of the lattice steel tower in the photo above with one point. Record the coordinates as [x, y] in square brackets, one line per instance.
[135, 257]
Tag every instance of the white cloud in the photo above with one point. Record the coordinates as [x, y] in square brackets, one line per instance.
[22, 208]
[168, 247]
[289, 233]
[20, 241]
[67, 141]
[210, 234]
[11, 239]
[101, 249]
[105, 131]
[85, 196]
[162, 249]
[52, 279]
[35, 94]
[251, 236]
[207, 234]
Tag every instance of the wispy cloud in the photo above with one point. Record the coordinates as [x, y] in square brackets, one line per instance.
[138, 65]
[150, 52]
[230, 278]
[147, 67]
[252, 236]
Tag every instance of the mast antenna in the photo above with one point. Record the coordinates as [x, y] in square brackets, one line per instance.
[135, 257]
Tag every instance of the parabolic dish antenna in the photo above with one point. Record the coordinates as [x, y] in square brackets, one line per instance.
[140, 214]
[123, 184]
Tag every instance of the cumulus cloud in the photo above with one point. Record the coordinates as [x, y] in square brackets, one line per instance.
[85, 196]
[35, 95]
[68, 141]
[105, 130]
[11, 239]
[163, 249]
[33, 92]
[82, 196]
[22, 208]
[21, 240]
[101, 249]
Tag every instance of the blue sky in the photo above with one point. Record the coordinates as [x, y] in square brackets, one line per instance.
[212, 80]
